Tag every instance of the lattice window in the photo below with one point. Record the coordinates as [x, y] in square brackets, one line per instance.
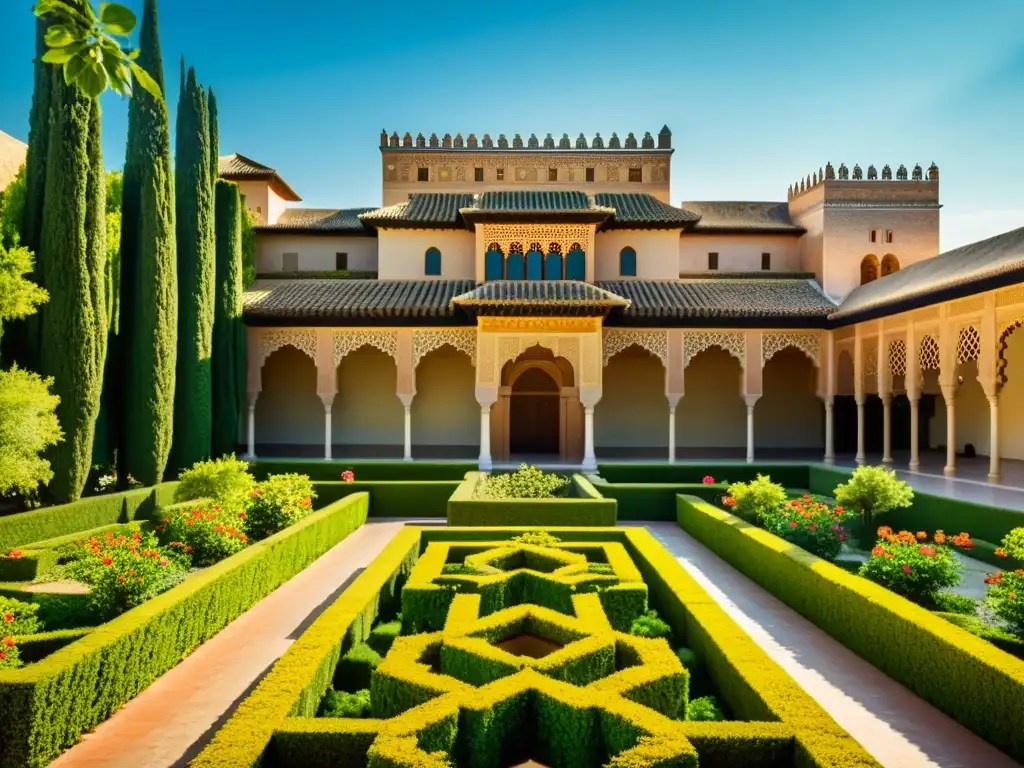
[554, 248]
[560, 237]
[808, 343]
[929, 358]
[346, 342]
[733, 343]
[898, 358]
[515, 248]
[272, 339]
[425, 342]
[655, 342]
[968, 345]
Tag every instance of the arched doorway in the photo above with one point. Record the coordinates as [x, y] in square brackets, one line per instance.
[534, 418]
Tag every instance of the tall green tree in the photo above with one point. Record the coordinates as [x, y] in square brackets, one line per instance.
[214, 140]
[147, 347]
[193, 398]
[73, 254]
[228, 331]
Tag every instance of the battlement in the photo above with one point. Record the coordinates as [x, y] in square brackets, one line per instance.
[829, 174]
[548, 143]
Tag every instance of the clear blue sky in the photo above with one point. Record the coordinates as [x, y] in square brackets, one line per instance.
[757, 94]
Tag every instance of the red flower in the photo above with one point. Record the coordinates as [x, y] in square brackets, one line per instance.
[188, 550]
[3, 656]
[243, 538]
[163, 561]
[14, 554]
[906, 569]
[841, 537]
[792, 523]
[8, 641]
[812, 527]
[241, 515]
[107, 561]
[8, 618]
[1000, 552]
[348, 476]
[729, 501]
[121, 579]
[921, 535]
[708, 480]
[839, 510]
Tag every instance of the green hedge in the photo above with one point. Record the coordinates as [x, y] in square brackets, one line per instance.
[320, 470]
[394, 498]
[36, 647]
[652, 501]
[974, 682]
[585, 508]
[791, 475]
[46, 706]
[40, 556]
[82, 515]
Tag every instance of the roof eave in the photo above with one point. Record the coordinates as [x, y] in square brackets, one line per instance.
[724, 230]
[473, 216]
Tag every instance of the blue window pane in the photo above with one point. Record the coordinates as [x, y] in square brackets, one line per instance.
[627, 263]
[553, 267]
[432, 265]
[576, 266]
[494, 263]
[534, 263]
[514, 267]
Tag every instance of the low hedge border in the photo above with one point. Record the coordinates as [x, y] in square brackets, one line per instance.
[586, 508]
[40, 556]
[653, 501]
[394, 498]
[33, 648]
[26, 528]
[46, 706]
[319, 470]
[275, 724]
[789, 474]
[968, 678]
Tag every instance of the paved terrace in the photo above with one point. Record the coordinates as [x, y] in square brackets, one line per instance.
[174, 718]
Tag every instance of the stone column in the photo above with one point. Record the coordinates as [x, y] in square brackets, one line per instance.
[949, 395]
[589, 459]
[858, 389]
[751, 401]
[860, 458]
[994, 471]
[887, 429]
[485, 396]
[673, 402]
[407, 405]
[251, 426]
[912, 382]
[915, 434]
[327, 399]
[830, 422]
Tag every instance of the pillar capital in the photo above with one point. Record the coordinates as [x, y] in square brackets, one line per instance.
[406, 399]
[327, 398]
[486, 396]
[751, 400]
[673, 399]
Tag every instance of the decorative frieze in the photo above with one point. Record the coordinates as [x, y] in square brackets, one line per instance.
[970, 304]
[346, 342]
[272, 339]
[774, 342]
[426, 341]
[616, 340]
[733, 343]
[566, 236]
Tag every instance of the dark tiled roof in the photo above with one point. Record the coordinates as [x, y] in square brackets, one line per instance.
[522, 292]
[982, 266]
[429, 209]
[341, 302]
[639, 210]
[744, 217]
[748, 301]
[241, 168]
[317, 220]
[548, 200]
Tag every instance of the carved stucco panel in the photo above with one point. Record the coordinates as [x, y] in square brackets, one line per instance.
[426, 341]
[272, 339]
[774, 342]
[733, 343]
[346, 342]
[617, 340]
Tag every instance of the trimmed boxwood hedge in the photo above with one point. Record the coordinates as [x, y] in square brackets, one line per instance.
[652, 501]
[586, 507]
[968, 678]
[46, 706]
[791, 475]
[394, 498]
[92, 512]
[320, 470]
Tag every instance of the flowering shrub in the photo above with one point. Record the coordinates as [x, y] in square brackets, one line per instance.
[912, 567]
[8, 653]
[525, 483]
[1006, 597]
[1013, 545]
[278, 502]
[14, 554]
[756, 499]
[810, 524]
[348, 476]
[226, 481]
[18, 618]
[125, 571]
[872, 491]
[206, 534]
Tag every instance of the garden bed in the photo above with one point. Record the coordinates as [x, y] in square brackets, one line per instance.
[582, 505]
[406, 666]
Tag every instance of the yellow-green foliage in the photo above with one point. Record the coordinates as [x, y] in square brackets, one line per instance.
[957, 672]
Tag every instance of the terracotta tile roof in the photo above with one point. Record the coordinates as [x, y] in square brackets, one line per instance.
[538, 297]
[241, 168]
[639, 210]
[428, 209]
[12, 157]
[742, 217]
[341, 302]
[981, 266]
[317, 220]
[762, 301]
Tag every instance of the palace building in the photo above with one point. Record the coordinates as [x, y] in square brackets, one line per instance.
[545, 298]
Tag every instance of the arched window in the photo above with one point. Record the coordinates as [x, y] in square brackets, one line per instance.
[494, 263]
[868, 269]
[890, 264]
[514, 263]
[534, 262]
[627, 262]
[576, 263]
[432, 263]
[553, 262]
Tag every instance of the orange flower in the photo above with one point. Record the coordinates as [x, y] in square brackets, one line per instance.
[8, 641]
[14, 554]
[878, 551]
[940, 537]
[884, 532]
[8, 618]
[921, 535]
[1012, 596]
[1000, 552]
[889, 555]
[926, 551]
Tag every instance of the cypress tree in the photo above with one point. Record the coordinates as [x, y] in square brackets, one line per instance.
[193, 398]
[147, 334]
[214, 141]
[228, 331]
[73, 251]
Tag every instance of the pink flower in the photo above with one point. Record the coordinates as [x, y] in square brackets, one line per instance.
[708, 480]
[906, 569]
[163, 561]
[842, 537]
[348, 476]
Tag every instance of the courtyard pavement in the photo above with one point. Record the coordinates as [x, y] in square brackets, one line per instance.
[171, 721]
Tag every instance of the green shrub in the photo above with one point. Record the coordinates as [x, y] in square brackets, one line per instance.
[651, 625]
[425, 607]
[537, 539]
[1005, 597]
[601, 569]
[525, 483]
[951, 602]
[755, 500]
[276, 503]
[624, 605]
[206, 532]
[344, 704]
[704, 709]
[383, 636]
[873, 491]
[688, 659]
[355, 668]
[1000, 638]
[911, 566]
[810, 524]
[18, 618]
[226, 481]
[10, 656]
[1013, 544]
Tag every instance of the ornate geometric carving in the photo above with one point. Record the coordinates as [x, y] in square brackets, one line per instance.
[968, 345]
[617, 339]
[970, 304]
[563, 235]
[733, 343]
[928, 313]
[426, 341]
[1010, 296]
[774, 342]
[485, 368]
[272, 339]
[349, 341]
[929, 358]
[898, 357]
[1004, 341]
[870, 360]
